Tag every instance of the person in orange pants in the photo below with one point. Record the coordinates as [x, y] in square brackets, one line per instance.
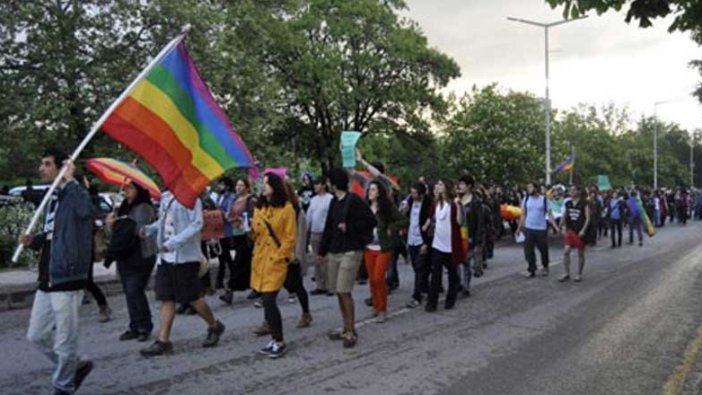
[378, 252]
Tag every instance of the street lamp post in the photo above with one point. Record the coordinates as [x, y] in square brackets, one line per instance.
[547, 104]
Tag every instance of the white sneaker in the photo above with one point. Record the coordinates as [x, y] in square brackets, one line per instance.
[382, 317]
[268, 348]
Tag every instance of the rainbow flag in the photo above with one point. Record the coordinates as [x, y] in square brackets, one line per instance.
[566, 166]
[645, 221]
[171, 120]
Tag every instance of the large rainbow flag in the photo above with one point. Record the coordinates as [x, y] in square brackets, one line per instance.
[566, 166]
[171, 120]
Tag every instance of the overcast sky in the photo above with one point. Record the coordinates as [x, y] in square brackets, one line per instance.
[598, 60]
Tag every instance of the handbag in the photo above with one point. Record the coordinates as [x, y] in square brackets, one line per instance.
[213, 225]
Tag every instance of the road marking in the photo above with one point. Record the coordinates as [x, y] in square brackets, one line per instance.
[676, 381]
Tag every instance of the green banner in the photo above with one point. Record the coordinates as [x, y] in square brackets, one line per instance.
[348, 148]
[603, 183]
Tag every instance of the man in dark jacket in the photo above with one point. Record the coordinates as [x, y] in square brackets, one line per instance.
[63, 270]
[348, 229]
[418, 240]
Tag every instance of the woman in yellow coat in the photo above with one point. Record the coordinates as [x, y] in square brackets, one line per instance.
[274, 229]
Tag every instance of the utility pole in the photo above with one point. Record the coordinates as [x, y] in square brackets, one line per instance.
[547, 101]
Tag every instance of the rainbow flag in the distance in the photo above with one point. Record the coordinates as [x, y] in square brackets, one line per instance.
[171, 120]
[566, 166]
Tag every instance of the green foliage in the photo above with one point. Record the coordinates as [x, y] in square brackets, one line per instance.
[496, 137]
[14, 215]
[352, 65]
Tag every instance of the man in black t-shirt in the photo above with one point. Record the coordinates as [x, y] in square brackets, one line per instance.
[576, 219]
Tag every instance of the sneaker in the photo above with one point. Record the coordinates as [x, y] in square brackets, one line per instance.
[105, 312]
[82, 371]
[381, 318]
[278, 349]
[253, 295]
[544, 272]
[291, 298]
[336, 335]
[213, 334]
[268, 348]
[262, 330]
[578, 278]
[157, 348]
[564, 278]
[641, 244]
[466, 293]
[319, 292]
[227, 297]
[143, 336]
[528, 274]
[258, 304]
[305, 320]
[350, 340]
[128, 335]
[430, 308]
[413, 303]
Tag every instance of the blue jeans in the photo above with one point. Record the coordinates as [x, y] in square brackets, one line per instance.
[53, 329]
[134, 279]
[474, 259]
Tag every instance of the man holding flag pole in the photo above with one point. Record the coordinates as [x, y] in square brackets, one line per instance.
[63, 272]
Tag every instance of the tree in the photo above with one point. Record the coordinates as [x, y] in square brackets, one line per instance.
[59, 66]
[351, 65]
[496, 137]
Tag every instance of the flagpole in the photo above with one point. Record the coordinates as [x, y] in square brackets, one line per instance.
[572, 170]
[96, 127]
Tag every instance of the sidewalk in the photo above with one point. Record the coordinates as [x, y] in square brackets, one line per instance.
[17, 286]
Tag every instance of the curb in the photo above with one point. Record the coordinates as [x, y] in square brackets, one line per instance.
[21, 296]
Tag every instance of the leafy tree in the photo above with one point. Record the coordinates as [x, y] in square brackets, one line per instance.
[351, 65]
[496, 137]
[60, 66]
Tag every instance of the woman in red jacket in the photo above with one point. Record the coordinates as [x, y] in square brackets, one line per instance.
[447, 248]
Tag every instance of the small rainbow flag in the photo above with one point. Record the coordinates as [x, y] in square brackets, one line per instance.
[171, 120]
[566, 166]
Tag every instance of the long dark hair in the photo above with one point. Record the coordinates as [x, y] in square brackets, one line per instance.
[449, 190]
[142, 197]
[384, 202]
[279, 197]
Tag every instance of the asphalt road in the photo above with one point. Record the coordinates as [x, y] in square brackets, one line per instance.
[634, 326]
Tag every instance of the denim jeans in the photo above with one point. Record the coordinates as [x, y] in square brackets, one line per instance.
[53, 329]
[471, 260]
[134, 279]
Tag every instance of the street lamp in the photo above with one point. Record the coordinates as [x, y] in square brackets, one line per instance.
[547, 104]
